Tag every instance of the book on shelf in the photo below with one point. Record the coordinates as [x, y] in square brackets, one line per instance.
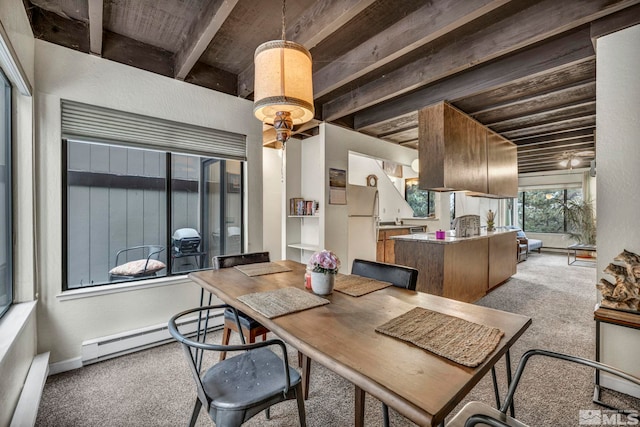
[301, 207]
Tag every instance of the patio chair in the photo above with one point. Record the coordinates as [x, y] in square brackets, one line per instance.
[397, 275]
[478, 413]
[236, 389]
[147, 263]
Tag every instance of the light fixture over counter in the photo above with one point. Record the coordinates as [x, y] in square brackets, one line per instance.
[283, 89]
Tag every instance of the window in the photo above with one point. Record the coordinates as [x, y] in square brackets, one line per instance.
[421, 201]
[173, 211]
[542, 210]
[6, 259]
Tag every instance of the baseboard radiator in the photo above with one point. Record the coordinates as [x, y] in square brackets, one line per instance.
[98, 349]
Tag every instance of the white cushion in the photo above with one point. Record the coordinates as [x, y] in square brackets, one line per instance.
[134, 268]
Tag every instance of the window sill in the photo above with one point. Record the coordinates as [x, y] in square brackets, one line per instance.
[96, 291]
[12, 324]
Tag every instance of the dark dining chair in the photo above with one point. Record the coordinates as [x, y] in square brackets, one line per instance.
[478, 413]
[250, 327]
[398, 275]
[236, 389]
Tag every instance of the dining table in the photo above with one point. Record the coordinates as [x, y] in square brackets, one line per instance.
[341, 335]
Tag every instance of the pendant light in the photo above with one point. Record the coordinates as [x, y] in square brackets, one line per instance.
[283, 89]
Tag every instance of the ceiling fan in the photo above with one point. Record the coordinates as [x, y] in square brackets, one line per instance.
[571, 159]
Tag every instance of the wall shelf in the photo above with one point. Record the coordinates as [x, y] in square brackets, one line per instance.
[304, 246]
[304, 216]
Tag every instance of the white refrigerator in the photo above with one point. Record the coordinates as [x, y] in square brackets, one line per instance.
[363, 211]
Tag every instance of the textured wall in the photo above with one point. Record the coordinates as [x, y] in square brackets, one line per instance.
[618, 174]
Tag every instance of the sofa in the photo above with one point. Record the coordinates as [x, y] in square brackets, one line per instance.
[532, 244]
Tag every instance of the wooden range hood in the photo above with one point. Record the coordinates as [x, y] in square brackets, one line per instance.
[456, 153]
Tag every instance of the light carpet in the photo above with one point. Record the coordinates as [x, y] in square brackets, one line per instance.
[154, 388]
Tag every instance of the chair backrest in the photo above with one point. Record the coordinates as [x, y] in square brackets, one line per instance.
[226, 261]
[140, 252]
[398, 275]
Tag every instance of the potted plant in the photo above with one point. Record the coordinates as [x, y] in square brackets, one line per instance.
[581, 220]
[323, 267]
[491, 216]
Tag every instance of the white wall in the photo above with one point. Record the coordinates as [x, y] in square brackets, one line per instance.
[66, 74]
[392, 202]
[338, 143]
[272, 196]
[16, 354]
[618, 175]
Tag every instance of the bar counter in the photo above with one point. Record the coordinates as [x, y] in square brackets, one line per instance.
[461, 268]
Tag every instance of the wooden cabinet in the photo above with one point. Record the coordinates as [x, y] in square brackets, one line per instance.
[452, 150]
[465, 270]
[502, 166]
[458, 153]
[385, 248]
[502, 262]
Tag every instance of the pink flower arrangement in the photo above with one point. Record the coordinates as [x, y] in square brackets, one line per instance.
[324, 262]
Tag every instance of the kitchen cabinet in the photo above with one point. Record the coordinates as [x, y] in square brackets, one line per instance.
[460, 268]
[502, 166]
[458, 153]
[385, 247]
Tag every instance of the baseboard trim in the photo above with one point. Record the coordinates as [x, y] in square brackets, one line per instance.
[618, 384]
[65, 365]
[27, 409]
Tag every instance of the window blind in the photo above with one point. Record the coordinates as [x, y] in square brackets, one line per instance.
[99, 124]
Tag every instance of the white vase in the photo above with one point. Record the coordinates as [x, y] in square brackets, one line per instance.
[322, 283]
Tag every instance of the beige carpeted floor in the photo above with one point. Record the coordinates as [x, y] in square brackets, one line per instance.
[154, 387]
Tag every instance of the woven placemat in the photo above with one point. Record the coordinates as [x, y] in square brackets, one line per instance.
[282, 301]
[456, 339]
[357, 286]
[261, 268]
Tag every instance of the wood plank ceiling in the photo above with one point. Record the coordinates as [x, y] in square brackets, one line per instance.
[524, 68]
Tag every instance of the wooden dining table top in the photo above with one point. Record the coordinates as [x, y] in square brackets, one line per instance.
[420, 385]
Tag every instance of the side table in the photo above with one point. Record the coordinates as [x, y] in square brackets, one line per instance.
[614, 317]
[578, 247]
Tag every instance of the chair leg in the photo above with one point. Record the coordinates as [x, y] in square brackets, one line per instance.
[267, 413]
[226, 335]
[385, 415]
[195, 413]
[306, 375]
[301, 413]
[359, 407]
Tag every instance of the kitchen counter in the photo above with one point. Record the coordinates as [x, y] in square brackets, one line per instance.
[461, 268]
[396, 227]
[431, 237]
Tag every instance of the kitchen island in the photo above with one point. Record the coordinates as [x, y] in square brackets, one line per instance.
[461, 268]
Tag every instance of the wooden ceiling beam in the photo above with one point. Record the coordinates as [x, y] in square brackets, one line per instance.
[559, 136]
[537, 103]
[200, 35]
[583, 142]
[541, 59]
[555, 80]
[316, 24]
[568, 124]
[615, 22]
[131, 52]
[524, 27]
[544, 117]
[415, 30]
[558, 151]
[96, 11]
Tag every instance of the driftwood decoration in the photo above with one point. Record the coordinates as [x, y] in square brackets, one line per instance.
[625, 294]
